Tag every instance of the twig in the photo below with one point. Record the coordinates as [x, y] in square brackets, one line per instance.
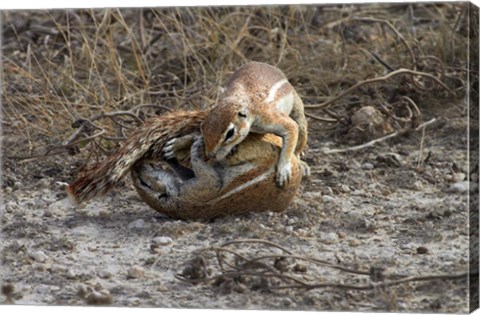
[255, 268]
[378, 284]
[380, 79]
[248, 240]
[330, 120]
[377, 58]
[371, 143]
[397, 33]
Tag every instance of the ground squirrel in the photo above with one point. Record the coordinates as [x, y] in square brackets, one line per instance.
[259, 99]
[243, 181]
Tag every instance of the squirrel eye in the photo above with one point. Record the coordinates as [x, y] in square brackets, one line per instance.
[242, 114]
[230, 133]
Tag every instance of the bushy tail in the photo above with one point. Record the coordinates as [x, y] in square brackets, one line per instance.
[147, 141]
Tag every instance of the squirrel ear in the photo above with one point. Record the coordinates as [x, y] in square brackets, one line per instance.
[243, 113]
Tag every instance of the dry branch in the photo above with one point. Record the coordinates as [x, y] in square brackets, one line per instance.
[254, 264]
[380, 79]
[373, 142]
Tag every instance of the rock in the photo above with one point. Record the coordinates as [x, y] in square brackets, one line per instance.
[162, 240]
[289, 229]
[328, 199]
[137, 224]
[44, 182]
[406, 246]
[300, 267]
[329, 238]
[354, 242]
[368, 166]
[418, 185]
[11, 207]
[353, 164]
[460, 187]
[422, 250]
[102, 297]
[458, 177]
[302, 233]
[38, 256]
[344, 188]
[42, 289]
[70, 274]
[136, 272]
[104, 274]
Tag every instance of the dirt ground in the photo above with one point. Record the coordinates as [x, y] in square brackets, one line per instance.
[399, 206]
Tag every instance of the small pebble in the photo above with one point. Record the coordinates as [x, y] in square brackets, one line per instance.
[302, 233]
[70, 274]
[289, 229]
[300, 267]
[461, 187]
[368, 166]
[344, 188]
[405, 246]
[135, 272]
[38, 256]
[329, 238]
[162, 240]
[418, 185]
[422, 250]
[291, 221]
[102, 297]
[353, 164]
[328, 199]
[137, 224]
[7, 289]
[8, 190]
[104, 274]
[458, 177]
[354, 242]
[44, 182]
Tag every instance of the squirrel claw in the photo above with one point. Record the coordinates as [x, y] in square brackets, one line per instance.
[169, 150]
[306, 172]
[284, 174]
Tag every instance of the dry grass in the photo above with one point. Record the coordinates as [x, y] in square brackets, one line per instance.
[61, 66]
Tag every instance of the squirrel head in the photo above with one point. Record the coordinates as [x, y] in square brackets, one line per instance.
[225, 126]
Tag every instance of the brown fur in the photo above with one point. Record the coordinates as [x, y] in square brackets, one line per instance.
[251, 90]
[206, 200]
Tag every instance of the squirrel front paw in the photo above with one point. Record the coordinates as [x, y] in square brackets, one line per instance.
[176, 144]
[197, 150]
[284, 174]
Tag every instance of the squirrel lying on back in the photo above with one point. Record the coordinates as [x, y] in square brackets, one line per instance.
[258, 99]
[243, 181]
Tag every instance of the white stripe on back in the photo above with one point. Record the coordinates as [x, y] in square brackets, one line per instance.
[244, 185]
[273, 91]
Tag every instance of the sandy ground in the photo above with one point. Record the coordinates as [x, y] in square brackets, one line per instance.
[365, 209]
